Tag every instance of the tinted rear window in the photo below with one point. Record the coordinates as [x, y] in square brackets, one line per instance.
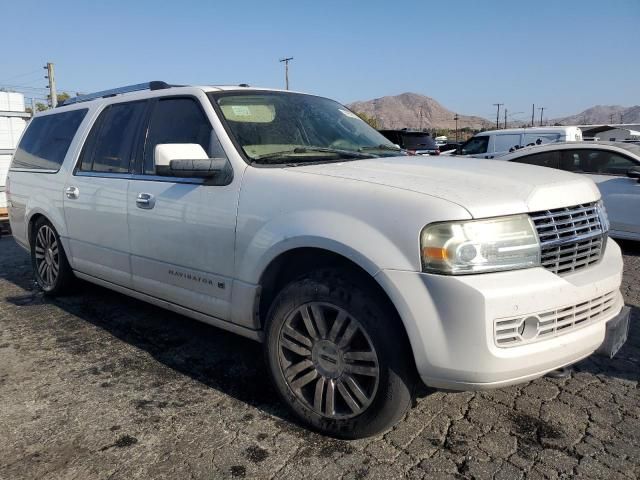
[47, 139]
[418, 142]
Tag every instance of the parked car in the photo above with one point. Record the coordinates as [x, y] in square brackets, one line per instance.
[413, 141]
[613, 166]
[285, 218]
[494, 143]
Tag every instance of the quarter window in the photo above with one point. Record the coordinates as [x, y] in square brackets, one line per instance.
[47, 139]
[179, 120]
[110, 147]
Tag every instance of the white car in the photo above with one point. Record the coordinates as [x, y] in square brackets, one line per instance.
[287, 219]
[614, 167]
[494, 143]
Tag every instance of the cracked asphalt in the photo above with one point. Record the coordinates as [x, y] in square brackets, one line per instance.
[98, 385]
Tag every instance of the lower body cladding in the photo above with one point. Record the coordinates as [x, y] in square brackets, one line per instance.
[491, 330]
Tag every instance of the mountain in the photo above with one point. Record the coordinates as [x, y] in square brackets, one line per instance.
[411, 110]
[602, 114]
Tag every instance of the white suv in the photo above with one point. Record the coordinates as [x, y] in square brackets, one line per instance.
[285, 218]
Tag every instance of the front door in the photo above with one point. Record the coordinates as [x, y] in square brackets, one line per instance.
[182, 230]
[95, 196]
[620, 194]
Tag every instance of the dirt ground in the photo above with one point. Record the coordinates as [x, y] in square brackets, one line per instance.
[98, 385]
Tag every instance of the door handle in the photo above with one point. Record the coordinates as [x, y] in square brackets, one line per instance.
[146, 201]
[72, 193]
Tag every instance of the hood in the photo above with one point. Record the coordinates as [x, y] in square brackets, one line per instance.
[485, 188]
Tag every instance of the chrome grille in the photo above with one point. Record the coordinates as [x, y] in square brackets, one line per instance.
[511, 332]
[571, 238]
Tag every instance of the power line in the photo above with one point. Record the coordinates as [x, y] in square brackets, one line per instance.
[20, 75]
[22, 87]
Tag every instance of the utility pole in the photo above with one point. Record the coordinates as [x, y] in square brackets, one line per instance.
[541, 112]
[53, 96]
[286, 70]
[621, 117]
[611, 118]
[505, 118]
[533, 113]
[456, 119]
[498, 114]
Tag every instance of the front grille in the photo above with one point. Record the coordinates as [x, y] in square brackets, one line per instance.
[521, 330]
[571, 238]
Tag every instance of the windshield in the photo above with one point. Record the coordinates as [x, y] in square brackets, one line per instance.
[475, 146]
[283, 127]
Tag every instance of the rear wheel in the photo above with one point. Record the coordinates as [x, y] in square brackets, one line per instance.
[338, 355]
[50, 265]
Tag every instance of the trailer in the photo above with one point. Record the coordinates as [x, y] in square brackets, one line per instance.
[13, 120]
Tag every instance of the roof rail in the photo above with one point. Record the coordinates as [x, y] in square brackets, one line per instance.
[153, 85]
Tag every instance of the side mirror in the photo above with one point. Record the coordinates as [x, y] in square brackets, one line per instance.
[634, 172]
[186, 160]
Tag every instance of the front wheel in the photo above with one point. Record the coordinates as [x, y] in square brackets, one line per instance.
[50, 265]
[338, 355]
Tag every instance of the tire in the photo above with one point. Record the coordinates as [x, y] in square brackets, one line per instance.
[350, 373]
[48, 259]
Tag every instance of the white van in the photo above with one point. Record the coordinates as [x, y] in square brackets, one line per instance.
[494, 143]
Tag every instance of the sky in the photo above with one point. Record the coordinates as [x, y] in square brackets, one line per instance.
[468, 55]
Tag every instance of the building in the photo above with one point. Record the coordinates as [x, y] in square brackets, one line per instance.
[612, 133]
[13, 120]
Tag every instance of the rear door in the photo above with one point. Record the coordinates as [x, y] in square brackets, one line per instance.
[95, 199]
[621, 194]
[182, 235]
[504, 143]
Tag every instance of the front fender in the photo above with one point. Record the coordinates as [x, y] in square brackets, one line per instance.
[339, 233]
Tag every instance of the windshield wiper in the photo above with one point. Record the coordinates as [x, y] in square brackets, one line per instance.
[382, 146]
[285, 153]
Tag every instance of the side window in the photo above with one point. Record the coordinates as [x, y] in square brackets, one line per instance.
[179, 120]
[600, 162]
[111, 143]
[475, 145]
[612, 163]
[47, 139]
[543, 159]
[505, 142]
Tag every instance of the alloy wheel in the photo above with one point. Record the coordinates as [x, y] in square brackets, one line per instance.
[47, 256]
[328, 360]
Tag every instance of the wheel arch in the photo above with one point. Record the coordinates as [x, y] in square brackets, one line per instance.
[294, 263]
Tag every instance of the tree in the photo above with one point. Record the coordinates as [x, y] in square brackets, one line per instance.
[372, 121]
[41, 107]
[62, 97]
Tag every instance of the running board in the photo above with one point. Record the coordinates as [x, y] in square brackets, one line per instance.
[187, 312]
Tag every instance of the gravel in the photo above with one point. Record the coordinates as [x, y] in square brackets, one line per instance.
[98, 385]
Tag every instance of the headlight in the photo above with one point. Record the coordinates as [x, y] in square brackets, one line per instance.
[474, 246]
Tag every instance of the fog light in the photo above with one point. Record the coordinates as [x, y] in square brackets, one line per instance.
[529, 328]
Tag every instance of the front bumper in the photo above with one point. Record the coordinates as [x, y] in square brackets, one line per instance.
[450, 320]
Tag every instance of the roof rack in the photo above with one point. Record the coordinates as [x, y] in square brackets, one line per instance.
[153, 85]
